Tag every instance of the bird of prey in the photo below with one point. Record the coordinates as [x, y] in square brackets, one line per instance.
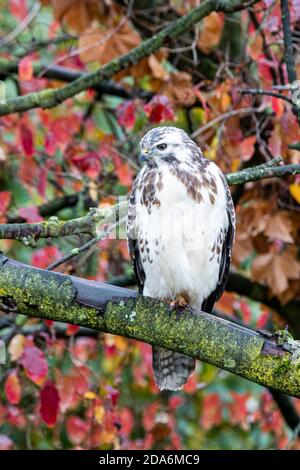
[180, 229]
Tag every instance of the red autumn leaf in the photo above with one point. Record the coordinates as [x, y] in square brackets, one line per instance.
[50, 144]
[42, 183]
[42, 257]
[87, 163]
[26, 140]
[126, 417]
[263, 319]
[49, 400]
[175, 401]
[211, 411]
[84, 348]
[246, 312]
[35, 364]
[72, 330]
[247, 148]
[124, 174]
[238, 411]
[13, 388]
[77, 429]
[5, 197]
[18, 8]
[64, 128]
[5, 442]
[25, 68]
[159, 109]
[30, 214]
[126, 114]
[191, 385]
[113, 394]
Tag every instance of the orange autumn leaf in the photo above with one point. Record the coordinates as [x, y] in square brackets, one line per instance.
[105, 44]
[179, 89]
[25, 69]
[13, 388]
[255, 48]
[150, 66]
[295, 191]
[5, 197]
[247, 148]
[279, 227]
[78, 15]
[276, 270]
[211, 32]
[158, 71]
[124, 174]
[211, 411]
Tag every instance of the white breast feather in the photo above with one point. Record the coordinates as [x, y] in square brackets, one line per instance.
[181, 234]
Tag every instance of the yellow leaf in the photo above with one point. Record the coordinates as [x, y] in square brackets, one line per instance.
[235, 164]
[99, 414]
[107, 437]
[121, 343]
[225, 101]
[16, 347]
[90, 395]
[212, 152]
[295, 191]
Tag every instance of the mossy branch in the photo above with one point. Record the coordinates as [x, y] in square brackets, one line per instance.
[55, 228]
[272, 361]
[49, 98]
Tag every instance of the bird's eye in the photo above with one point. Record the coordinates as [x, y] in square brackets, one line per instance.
[162, 146]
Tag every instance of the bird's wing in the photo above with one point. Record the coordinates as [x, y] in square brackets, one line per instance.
[132, 238]
[225, 261]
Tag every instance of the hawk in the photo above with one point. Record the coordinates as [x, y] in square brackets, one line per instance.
[180, 229]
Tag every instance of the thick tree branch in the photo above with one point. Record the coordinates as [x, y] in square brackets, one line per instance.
[288, 41]
[65, 74]
[54, 228]
[39, 293]
[262, 172]
[242, 285]
[49, 98]
[288, 49]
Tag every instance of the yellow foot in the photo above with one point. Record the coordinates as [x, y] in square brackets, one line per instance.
[179, 302]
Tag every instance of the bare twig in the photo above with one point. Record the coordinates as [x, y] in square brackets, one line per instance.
[21, 26]
[257, 91]
[86, 246]
[223, 117]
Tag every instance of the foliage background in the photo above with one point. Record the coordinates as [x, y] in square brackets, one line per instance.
[63, 387]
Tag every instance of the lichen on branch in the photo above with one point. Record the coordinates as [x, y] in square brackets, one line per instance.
[270, 360]
[49, 98]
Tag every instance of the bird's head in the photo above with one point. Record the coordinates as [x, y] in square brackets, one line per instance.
[166, 145]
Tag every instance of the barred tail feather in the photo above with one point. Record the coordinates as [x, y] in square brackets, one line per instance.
[171, 369]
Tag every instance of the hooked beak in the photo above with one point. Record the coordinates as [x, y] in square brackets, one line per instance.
[144, 155]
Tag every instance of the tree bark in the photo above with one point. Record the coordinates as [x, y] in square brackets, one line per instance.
[272, 361]
[49, 98]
